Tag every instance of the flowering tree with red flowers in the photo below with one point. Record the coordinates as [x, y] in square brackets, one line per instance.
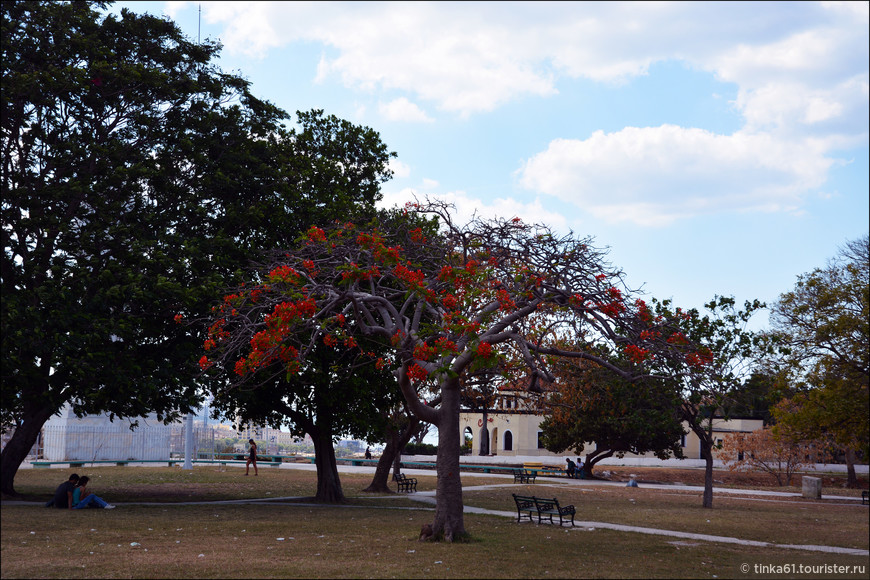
[492, 293]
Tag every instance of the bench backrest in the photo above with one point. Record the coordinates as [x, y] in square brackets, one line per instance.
[524, 501]
[544, 504]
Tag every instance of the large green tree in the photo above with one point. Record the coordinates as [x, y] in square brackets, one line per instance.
[593, 404]
[137, 179]
[825, 323]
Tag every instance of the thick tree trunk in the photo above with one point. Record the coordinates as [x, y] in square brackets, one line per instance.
[328, 483]
[19, 446]
[851, 477]
[707, 455]
[449, 523]
[484, 436]
[595, 456]
[392, 451]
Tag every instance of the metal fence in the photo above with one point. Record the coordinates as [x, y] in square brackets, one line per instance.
[86, 442]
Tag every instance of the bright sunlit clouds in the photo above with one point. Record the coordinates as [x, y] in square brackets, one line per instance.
[670, 131]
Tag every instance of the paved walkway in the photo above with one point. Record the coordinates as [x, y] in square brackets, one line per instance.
[428, 497]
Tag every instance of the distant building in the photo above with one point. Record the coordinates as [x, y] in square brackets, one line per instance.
[95, 437]
[514, 428]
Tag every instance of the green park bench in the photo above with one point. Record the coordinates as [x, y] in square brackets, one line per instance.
[405, 484]
[524, 476]
[529, 504]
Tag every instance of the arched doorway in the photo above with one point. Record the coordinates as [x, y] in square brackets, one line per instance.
[467, 441]
[508, 441]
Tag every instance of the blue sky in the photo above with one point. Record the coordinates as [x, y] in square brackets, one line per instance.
[715, 148]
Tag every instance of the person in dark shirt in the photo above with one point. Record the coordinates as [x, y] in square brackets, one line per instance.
[572, 467]
[252, 457]
[63, 493]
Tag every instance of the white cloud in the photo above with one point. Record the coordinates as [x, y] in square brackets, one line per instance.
[800, 68]
[473, 57]
[655, 175]
[399, 169]
[467, 207]
[402, 109]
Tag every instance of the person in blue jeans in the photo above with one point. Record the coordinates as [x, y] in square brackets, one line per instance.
[82, 498]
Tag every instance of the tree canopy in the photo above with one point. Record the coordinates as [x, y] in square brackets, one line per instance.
[137, 180]
[489, 293]
[593, 404]
[825, 323]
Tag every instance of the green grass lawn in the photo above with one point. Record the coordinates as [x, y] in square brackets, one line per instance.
[375, 536]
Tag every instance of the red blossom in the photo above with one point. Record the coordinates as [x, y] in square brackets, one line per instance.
[417, 235]
[702, 357]
[315, 234]
[505, 302]
[284, 274]
[636, 353]
[678, 338]
[484, 349]
[612, 309]
[443, 344]
[417, 373]
[424, 352]
[649, 335]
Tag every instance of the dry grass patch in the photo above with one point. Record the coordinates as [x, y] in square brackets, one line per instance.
[761, 519]
[202, 483]
[230, 541]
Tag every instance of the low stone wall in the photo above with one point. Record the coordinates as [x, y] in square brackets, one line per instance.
[626, 462]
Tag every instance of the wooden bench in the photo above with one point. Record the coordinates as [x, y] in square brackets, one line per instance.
[405, 484]
[543, 507]
[524, 476]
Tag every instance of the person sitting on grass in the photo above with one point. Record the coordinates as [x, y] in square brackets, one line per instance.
[64, 493]
[82, 498]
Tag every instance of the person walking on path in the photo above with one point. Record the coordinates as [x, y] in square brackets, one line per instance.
[63, 495]
[252, 458]
[82, 498]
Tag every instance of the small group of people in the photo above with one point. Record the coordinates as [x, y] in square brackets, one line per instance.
[73, 494]
[574, 469]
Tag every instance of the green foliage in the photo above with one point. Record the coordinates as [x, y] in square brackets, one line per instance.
[620, 415]
[420, 449]
[138, 180]
[712, 356]
[825, 321]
